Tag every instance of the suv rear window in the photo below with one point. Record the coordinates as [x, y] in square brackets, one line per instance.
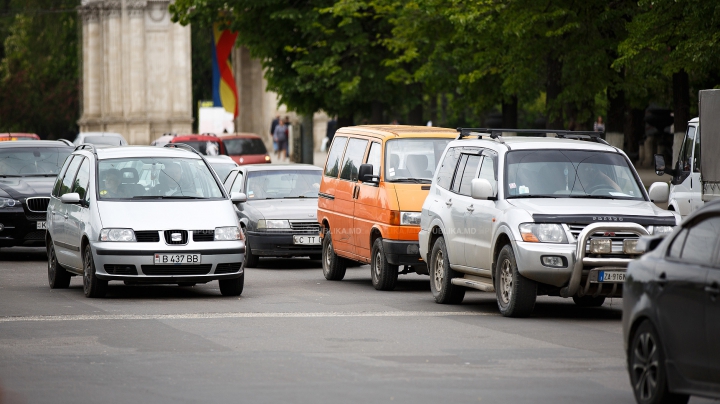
[236, 147]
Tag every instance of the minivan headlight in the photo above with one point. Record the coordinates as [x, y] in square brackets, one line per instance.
[117, 235]
[410, 218]
[543, 233]
[273, 224]
[227, 233]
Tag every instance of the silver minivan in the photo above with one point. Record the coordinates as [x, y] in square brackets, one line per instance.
[142, 214]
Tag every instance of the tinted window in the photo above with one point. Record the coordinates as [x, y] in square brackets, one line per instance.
[677, 244]
[82, 179]
[67, 182]
[447, 168]
[236, 147]
[59, 180]
[353, 158]
[487, 171]
[686, 149]
[332, 167]
[701, 239]
[469, 174]
[374, 157]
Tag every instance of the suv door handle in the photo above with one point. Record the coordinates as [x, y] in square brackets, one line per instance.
[448, 202]
[470, 208]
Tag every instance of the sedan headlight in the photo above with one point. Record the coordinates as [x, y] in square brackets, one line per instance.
[227, 233]
[543, 233]
[273, 224]
[8, 203]
[117, 235]
[660, 230]
[410, 218]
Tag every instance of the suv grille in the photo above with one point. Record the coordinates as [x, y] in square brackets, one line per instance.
[228, 268]
[306, 227]
[37, 204]
[616, 237]
[202, 269]
[147, 236]
[203, 235]
[182, 240]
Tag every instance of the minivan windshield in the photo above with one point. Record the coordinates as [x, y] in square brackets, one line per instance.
[280, 184]
[140, 178]
[413, 160]
[569, 174]
[240, 146]
[32, 162]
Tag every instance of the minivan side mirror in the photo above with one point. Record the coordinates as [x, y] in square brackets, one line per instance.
[480, 188]
[659, 164]
[238, 197]
[72, 198]
[659, 192]
[365, 173]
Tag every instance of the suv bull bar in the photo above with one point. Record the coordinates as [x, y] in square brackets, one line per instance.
[581, 260]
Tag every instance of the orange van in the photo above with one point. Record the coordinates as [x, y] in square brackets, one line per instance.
[375, 181]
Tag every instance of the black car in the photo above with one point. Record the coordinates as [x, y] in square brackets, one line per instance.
[279, 210]
[671, 312]
[27, 175]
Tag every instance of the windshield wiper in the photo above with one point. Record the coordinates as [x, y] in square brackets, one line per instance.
[413, 180]
[166, 197]
[40, 175]
[532, 196]
[596, 196]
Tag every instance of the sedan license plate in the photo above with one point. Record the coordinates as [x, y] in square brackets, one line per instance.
[611, 276]
[306, 240]
[41, 225]
[177, 259]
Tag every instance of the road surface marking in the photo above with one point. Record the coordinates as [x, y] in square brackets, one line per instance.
[191, 316]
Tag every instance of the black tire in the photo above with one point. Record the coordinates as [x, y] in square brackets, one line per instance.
[92, 286]
[316, 257]
[384, 275]
[58, 277]
[186, 284]
[646, 365]
[232, 287]
[251, 260]
[516, 294]
[589, 301]
[334, 267]
[441, 276]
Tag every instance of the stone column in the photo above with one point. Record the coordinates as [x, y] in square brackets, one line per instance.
[139, 128]
[113, 51]
[92, 62]
[181, 64]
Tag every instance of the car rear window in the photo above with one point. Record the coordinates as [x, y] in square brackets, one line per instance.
[237, 147]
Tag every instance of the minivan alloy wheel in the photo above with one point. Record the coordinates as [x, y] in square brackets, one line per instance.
[506, 281]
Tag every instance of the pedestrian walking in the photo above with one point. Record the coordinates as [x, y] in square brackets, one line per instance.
[280, 137]
[599, 126]
[273, 125]
[329, 133]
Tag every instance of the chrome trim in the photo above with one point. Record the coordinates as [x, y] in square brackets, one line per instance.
[27, 203]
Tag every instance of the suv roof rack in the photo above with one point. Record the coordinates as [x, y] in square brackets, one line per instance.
[496, 133]
[86, 146]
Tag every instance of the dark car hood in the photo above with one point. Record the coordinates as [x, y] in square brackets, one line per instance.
[292, 209]
[24, 187]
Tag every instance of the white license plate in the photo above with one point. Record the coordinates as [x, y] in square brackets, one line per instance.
[41, 226]
[306, 240]
[177, 259]
[611, 276]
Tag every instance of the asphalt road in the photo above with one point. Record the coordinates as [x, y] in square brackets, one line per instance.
[294, 337]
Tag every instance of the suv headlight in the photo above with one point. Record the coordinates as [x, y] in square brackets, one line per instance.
[660, 230]
[8, 203]
[117, 235]
[227, 233]
[410, 218]
[273, 224]
[543, 233]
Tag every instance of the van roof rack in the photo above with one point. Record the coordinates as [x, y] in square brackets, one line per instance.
[496, 133]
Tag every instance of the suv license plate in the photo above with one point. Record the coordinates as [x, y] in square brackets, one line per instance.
[306, 240]
[611, 276]
[41, 225]
[177, 259]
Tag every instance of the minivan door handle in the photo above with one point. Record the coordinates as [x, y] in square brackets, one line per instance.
[448, 202]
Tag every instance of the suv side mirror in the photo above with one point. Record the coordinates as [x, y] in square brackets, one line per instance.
[480, 188]
[238, 197]
[72, 198]
[659, 164]
[659, 192]
[365, 173]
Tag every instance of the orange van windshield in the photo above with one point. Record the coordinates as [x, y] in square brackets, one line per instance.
[413, 160]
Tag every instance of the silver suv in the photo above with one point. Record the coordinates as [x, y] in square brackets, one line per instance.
[528, 216]
[142, 215]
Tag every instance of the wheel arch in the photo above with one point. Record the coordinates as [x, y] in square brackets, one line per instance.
[501, 241]
[375, 234]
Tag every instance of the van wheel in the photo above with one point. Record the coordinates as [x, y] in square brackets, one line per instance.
[92, 286]
[58, 277]
[441, 276]
[646, 364]
[516, 294]
[232, 287]
[384, 275]
[333, 266]
[589, 301]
